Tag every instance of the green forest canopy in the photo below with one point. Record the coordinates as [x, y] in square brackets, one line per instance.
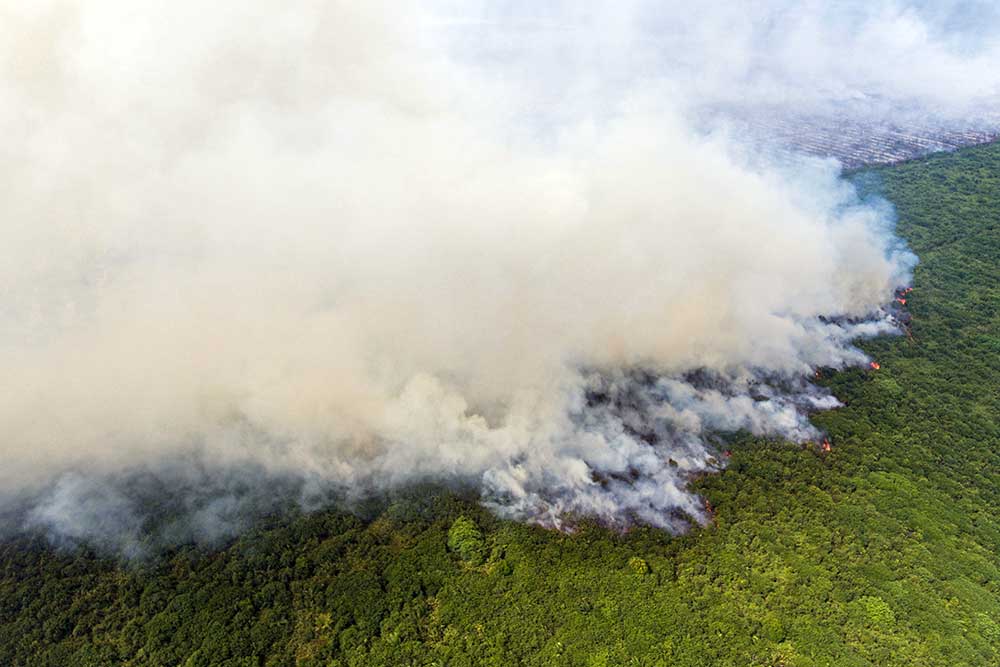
[885, 551]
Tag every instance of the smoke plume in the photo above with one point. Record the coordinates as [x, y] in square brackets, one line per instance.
[335, 248]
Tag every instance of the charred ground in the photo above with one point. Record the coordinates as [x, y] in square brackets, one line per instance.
[884, 551]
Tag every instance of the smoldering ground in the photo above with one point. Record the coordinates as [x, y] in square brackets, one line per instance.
[254, 256]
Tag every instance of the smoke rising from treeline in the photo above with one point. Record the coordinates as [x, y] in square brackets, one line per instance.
[331, 248]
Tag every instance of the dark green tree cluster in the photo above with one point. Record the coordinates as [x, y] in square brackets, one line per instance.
[884, 551]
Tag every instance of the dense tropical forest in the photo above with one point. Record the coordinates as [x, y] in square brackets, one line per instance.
[883, 551]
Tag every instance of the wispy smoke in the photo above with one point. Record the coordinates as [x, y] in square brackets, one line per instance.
[330, 247]
[854, 56]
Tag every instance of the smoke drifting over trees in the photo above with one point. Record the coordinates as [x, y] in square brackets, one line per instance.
[334, 249]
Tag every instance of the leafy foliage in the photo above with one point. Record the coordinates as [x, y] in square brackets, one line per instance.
[465, 538]
[885, 551]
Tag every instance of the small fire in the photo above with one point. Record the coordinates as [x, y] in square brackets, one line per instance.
[901, 301]
[826, 447]
[875, 365]
[727, 453]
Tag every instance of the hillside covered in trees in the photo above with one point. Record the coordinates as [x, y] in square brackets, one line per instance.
[884, 551]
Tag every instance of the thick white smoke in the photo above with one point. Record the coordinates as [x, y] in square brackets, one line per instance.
[307, 240]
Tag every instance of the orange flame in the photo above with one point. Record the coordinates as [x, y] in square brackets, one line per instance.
[901, 301]
[826, 445]
[875, 365]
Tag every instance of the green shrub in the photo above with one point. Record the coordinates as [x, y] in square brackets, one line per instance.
[878, 612]
[638, 565]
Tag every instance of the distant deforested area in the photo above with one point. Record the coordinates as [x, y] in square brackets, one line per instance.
[883, 550]
[857, 139]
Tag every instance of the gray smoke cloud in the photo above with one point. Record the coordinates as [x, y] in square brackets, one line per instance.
[335, 248]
